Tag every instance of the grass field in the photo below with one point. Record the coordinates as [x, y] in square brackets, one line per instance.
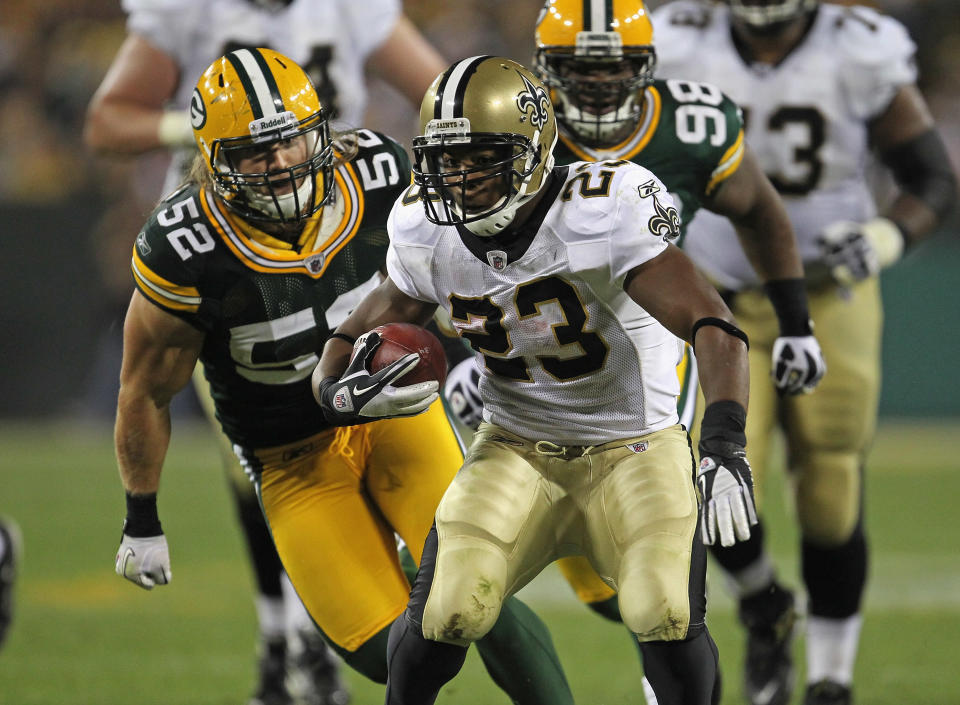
[84, 636]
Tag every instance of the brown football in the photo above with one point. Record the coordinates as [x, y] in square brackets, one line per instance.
[399, 339]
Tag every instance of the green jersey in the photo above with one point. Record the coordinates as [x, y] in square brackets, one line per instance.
[266, 307]
[690, 135]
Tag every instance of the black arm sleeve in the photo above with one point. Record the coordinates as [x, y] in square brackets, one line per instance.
[921, 167]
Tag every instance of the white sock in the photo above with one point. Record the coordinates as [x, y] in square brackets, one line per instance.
[272, 617]
[832, 648]
[297, 618]
[752, 579]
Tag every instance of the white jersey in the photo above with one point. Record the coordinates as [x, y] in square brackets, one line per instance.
[806, 118]
[330, 39]
[565, 355]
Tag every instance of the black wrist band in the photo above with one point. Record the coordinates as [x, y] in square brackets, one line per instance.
[789, 299]
[142, 520]
[724, 421]
[343, 336]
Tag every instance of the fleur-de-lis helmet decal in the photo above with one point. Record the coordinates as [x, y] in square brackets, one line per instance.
[534, 101]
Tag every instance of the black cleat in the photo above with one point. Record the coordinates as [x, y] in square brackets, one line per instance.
[827, 692]
[10, 534]
[272, 688]
[315, 673]
[769, 617]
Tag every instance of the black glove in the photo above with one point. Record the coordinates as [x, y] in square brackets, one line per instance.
[359, 396]
[724, 477]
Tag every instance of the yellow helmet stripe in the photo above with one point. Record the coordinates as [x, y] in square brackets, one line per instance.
[257, 81]
[448, 103]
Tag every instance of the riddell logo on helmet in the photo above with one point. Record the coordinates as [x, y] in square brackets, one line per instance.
[273, 123]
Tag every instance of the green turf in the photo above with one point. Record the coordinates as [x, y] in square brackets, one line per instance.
[83, 636]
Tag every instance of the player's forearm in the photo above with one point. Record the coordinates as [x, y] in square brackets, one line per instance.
[123, 128]
[722, 366]
[768, 240]
[141, 438]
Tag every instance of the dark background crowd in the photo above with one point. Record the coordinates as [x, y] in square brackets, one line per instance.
[68, 219]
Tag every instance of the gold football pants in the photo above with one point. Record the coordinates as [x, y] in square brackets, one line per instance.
[827, 432]
[333, 503]
[629, 506]
[588, 586]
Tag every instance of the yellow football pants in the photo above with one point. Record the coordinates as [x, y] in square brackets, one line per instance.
[333, 503]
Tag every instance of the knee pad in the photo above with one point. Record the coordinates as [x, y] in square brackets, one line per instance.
[828, 493]
[466, 593]
[653, 611]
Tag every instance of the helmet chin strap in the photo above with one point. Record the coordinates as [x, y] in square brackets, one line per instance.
[288, 202]
[499, 221]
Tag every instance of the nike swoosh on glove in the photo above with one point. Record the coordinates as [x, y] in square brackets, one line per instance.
[359, 396]
[798, 364]
[144, 561]
[726, 486]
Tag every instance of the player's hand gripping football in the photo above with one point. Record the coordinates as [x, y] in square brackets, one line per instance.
[360, 396]
[144, 561]
[798, 364]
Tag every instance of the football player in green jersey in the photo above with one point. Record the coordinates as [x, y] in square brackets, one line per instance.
[597, 58]
[247, 269]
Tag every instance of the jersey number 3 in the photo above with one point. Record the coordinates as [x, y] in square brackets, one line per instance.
[530, 297]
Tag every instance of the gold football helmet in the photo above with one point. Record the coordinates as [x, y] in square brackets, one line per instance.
[487, 132]
[768, 16]
[596, 56]
[264, 136]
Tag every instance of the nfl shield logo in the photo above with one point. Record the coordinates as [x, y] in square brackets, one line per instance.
[497, 259]
[314, 263]
[637, 447]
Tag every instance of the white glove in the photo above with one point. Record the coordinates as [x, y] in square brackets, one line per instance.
[726, 486]
[855, 251]
[360, 396]
[144, 561]
[462, 392]
[798, 364]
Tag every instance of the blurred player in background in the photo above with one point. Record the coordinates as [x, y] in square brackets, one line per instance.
[10, 547]
[598, 60]
[279, 232]
[822, 87]
[142, 105]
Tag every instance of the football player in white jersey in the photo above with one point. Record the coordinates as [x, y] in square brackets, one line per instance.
[565, 284]
[821, 86]
[143, 104]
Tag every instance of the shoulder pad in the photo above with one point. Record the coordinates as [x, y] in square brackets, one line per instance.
[380, 159]
[175, 239]
[869, 38]
[876, 57]
[675, 26]
[408, 222]
[131, 6]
